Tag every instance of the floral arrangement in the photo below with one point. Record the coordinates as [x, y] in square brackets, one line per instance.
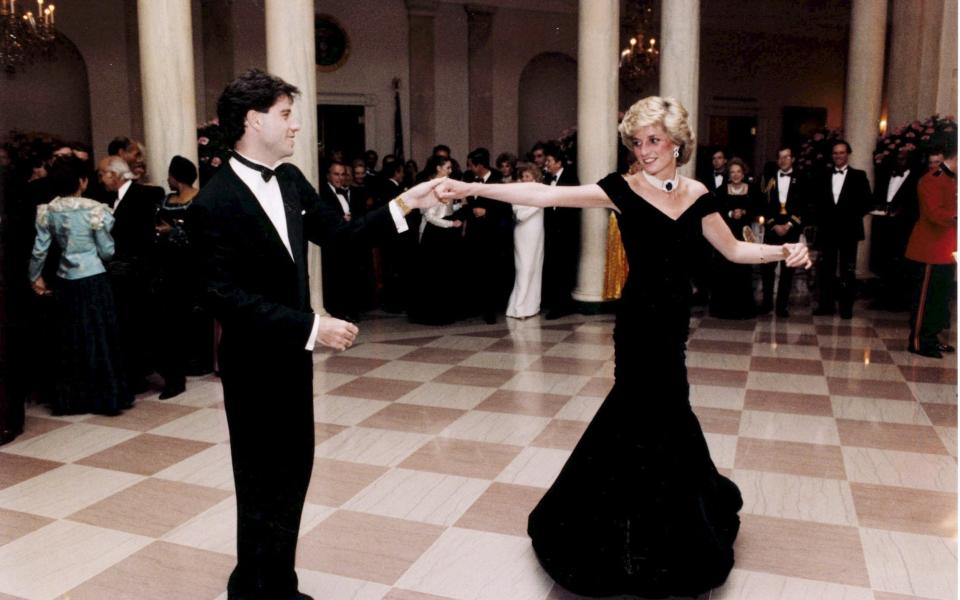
[212, 149]
[816, 154]
[913, 140]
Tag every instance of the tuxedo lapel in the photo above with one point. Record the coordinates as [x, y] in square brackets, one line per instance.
[292, 212]
[252, 208]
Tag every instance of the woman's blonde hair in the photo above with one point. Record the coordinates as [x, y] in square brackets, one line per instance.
[665, 112]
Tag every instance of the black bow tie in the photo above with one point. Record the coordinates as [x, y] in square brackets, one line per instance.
[782, 174]
[718, 173]
[839, 171]
[265, 172]
[897, 173]
[343, 191]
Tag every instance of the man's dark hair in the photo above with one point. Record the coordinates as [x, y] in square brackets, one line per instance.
[537, 146]
[480, 156]
[433, 163]
[65, 174]
[182, 170]
[783, 147]
[391, 168]
[551, 149]
[117, 144]
[332, 163]
[723, 151]
[441, 147]
[943, 142]
[844, 142]
[253, 90]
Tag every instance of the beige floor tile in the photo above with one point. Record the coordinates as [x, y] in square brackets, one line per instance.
[754, 585]
[788, 427]
[145, 454]
[944, 415]
[782, 364]
[858, 370]
[496, 428]
[34, 426]
[464, 343]
[14, 468]
[723, 449]
[325, 585]
[868, 388]
[718, 420]
[788, 402]
[146, 415]
[374, 388]
[560, 434]
[445, 395]
[324, 382]
[366, 547]
[211, 468]
[65, 490]
[509, 361]
[412, 417]
[890, 596]
[720, 347]
[901, 469]
[524, 403]
[948, 435]
[54, 559]
[785, 382]
[535, 467]
[547, 383]
[583, 351]
[199, 394]
[907, 563]
[15, 525]
[717, 377]
[937, 393]
[801, 549]
[928, 374]
[480, 565]
[580, 408]
[567, 366]
[857, 355]
[877, 410]
[161, 571]
[520, 346]
[906, 509]
[371, 446]
[344, 410]
[716, 396]
[398, 594]
[204, 425]
[547, 334]
[775, 350]
[419, 496]
[852, 342]
[722, 335]
[351, 365]
[408, 370]
[714, 360]
[784, 338]
[71, 443]
[836, 330]
[460, 375]
[890, 436]
[462, 457]
[503, 508]
[796, 497]
[384, 351]
[796, 458]
[334, 482]
[151, 508]
[597, 386]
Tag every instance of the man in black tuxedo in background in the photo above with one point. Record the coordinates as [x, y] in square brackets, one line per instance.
[843, 198]
[488, 236]
[397, 254]
[783, 219]
[250, 226]
[340, 272]
[133, 265]
[561, 244]
[896, 210]
[716, 177]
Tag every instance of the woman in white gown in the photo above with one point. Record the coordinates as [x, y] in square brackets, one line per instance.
[527, 254]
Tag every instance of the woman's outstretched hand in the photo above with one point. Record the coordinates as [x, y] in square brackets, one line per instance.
[424, 195]
[798, 256]
[451, 189]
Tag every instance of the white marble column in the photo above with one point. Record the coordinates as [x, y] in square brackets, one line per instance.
[903, 75]
[422, 85]
[680, 60]
[597, 137]
[862, 100]
[291, 55]
[167, 80]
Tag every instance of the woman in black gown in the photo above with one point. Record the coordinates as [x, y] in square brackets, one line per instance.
[731, 291]
[640, 508]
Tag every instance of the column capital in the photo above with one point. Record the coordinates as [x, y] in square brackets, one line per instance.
[422, 8]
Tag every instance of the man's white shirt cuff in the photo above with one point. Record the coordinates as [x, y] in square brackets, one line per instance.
[397, 213]
[312, 340]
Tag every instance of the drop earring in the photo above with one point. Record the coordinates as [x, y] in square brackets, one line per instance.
[676, 152]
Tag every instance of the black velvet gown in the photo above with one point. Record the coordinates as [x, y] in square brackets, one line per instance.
[639, 508]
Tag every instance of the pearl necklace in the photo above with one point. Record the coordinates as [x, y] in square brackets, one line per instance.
[666, 186]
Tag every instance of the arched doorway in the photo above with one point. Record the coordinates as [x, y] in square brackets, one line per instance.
[548, 98]
[50, 96]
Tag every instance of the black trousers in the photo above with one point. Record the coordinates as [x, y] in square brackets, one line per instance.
[269, 407]
[133, 302]
[930, 310]
[768, 273]
[837, 275]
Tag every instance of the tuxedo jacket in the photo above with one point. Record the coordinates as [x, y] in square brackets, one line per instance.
[134, 232]
[842, 221]
[904, 205]
[795, 209]
[560, 223]
[497, 221]
[329, 198]
[251, 283]
[708, 180]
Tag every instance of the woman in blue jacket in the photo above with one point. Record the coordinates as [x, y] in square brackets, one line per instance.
[87, 370]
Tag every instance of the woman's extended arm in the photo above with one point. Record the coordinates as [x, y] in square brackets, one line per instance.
[529, 194]
[719, 236]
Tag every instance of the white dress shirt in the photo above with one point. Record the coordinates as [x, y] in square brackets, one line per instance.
[837, 180]
[344, 201]
[121, 193]
[718, 180]
[556, 177]
[783, 185]
[895, 182]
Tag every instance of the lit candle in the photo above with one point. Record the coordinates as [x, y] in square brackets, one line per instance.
[52, 9]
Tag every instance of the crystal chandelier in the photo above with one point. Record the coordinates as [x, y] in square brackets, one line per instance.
[638, 61]
[25, 35]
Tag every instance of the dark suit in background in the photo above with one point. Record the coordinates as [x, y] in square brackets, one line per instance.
[889, 234]
[261, 296]
[561, 250]
[776, 214]
[397, 254]
[342, 272]
[839, 230]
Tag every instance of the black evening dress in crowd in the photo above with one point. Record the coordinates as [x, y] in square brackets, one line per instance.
[731, 288]
[639, 508]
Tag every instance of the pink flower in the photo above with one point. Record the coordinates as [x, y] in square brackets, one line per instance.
[818, 136]
[203, 141]
[898, 131]
[878, 160]
[910, 134]
[915, 124]
[928, 130]
[891, 146]
[925, 137]
[215, 161]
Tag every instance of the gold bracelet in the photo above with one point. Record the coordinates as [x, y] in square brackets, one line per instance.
[402, 205]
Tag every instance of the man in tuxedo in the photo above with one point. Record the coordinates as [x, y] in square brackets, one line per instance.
[896, 211]
[843, 198]
[717, 176]
[396, 255]
[561, 253]
[783, 220]
[341, 278]
[133, 266]
[250, 226]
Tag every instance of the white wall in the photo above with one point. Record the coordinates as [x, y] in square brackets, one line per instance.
[451, 81]
[548, 99]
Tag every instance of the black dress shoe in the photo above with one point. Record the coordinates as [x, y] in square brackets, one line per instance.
[928, 352]
[170, 392]
[947, 348]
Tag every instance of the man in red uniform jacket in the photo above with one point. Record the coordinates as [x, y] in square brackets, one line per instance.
[932, 247]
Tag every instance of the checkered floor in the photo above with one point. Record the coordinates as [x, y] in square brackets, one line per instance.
[433, 445]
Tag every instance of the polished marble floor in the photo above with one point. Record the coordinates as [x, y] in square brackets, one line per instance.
[433, 445]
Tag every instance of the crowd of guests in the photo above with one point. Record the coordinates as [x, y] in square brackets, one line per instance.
[110, 296]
